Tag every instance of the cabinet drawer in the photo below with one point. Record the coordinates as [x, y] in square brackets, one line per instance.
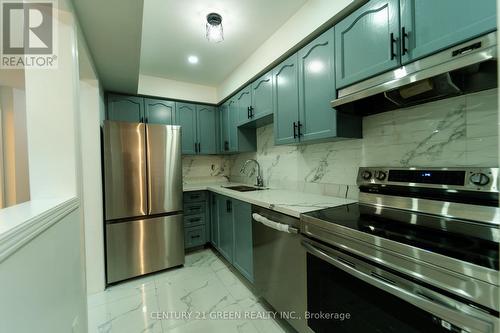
[194, 220]
[195, 196]
[194, 208]
[194, 236]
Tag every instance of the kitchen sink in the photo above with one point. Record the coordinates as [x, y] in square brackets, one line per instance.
[244, 188]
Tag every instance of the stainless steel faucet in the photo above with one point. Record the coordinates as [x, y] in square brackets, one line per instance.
[260, 181]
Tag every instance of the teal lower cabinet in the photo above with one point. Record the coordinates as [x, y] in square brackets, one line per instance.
[225, 222]
[196, 219]
[231, 232]
[243, 249]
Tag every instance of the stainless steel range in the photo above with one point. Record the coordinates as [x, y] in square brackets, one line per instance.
[418, 253]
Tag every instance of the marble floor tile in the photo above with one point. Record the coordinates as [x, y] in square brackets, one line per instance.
[206, 287]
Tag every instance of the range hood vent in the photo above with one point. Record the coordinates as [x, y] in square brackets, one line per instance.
[463, 69]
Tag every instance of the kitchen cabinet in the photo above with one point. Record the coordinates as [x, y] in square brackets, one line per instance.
[286, 101]
[234, 139]
[366, 42]
[159, 111]
[206, 132]
[185, 115]
[125, 108]
[243, 104]
[262, 97]
[428, 26]
[225, 224]
[304, 86]
[243, 248]
[196, 219]
[214, 221]
[198, 124]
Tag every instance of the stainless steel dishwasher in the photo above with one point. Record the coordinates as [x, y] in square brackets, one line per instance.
[280, 264]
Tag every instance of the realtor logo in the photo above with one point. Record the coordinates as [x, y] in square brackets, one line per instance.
[28, 34]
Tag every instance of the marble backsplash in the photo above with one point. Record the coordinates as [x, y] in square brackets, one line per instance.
[460, 131]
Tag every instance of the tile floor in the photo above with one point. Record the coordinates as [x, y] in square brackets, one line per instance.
[205, 285]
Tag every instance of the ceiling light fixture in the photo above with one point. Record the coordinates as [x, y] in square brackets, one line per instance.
[214, 28]
[192, 59]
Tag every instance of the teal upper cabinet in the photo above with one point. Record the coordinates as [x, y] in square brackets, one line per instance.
[159, 111]
[233, 117]
[317, 88]
[367, 41]
[125, 108]
[224, 127]
[186, 118]
[243, 103]
[243, 247]
[430, 26]
[286, 101]
[207, 124]
[262, 96]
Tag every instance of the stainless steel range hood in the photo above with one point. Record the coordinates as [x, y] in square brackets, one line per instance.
[464, 68]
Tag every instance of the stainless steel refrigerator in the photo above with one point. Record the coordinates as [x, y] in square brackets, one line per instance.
[143, 198]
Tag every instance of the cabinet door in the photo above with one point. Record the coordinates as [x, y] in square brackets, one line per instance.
[433, 25]
[206, 122]
[186, 118]
[243, 103]
[262, 96]
[214, 220]
[233, 125]
[225, 227]
[224, 127]
[286, 100]
[125, 108]
[317, 88]
[159, 111]
[366, 42]
[243, 248]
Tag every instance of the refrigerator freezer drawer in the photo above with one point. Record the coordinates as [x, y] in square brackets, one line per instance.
[143, 246]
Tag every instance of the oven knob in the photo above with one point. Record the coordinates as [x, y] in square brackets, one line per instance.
[366, 175]
[381, 175]
[479, 179]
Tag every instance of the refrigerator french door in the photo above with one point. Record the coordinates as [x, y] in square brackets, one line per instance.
[143, 199]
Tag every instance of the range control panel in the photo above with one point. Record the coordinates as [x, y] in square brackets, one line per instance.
[474, 179]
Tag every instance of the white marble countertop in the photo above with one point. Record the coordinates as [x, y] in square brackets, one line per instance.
[291, 203]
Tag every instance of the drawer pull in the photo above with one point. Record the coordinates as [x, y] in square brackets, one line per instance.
[195, 208]
[195, 220]
[197, 236]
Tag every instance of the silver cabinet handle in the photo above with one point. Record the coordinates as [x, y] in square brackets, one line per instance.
[274, 225]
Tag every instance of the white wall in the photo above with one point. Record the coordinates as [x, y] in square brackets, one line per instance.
[41, 285]
[308, 18]
[156, 86]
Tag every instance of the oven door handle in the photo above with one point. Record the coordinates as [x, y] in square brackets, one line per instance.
[466, 317]
[274, 225]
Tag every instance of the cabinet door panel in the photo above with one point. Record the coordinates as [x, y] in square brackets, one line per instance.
[125, 108]
[434, 25]
[214, 220]
[206, 129]
[262, 96]
[243, 248]
[233, 125]
[159, 111]
[243, 103]
[225, 227]
[224, 127]
[363, 45]
[286, 100]
[317, 88]
[186, 118]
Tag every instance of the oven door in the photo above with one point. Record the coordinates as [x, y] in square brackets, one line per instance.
[348, 294]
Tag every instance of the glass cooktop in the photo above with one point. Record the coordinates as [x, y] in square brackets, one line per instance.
[463, 240]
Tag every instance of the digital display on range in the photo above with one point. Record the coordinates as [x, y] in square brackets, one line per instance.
[439, 177]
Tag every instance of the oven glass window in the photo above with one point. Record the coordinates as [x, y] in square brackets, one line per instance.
[340, 303]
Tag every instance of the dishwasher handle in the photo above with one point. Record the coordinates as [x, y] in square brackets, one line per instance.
[274, 225]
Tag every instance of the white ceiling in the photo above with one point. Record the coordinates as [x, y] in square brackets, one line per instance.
[174, 29]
